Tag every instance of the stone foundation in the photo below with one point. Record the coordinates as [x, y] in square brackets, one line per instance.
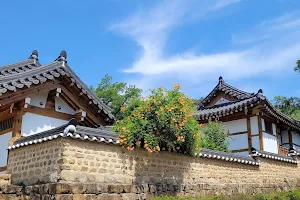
[63, 191]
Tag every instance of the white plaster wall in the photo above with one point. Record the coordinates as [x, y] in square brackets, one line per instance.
[36, 99]
[33, 123]
[255, 142]
[4, 139]
[64, 107]
[285, 137]
[296, 148]
[254, 125]
[274, 128]
[238, 141]
[270, 143]
[263, 126]
[296, 138]
[236, 125]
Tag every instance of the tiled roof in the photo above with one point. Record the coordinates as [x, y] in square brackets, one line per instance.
[265, 154]
[27, 73]
[19, 67]
[228, 89]
[69, 130]
[229, 108]
[230, 157]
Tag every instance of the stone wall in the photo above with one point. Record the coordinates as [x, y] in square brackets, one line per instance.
[38, 163]
[84, 162]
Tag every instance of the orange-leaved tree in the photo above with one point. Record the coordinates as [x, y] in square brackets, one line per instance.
[162, 121]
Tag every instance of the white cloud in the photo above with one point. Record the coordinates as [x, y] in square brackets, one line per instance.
[150, 30]
[223, 3]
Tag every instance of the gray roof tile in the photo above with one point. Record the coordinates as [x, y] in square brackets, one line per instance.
[24, 74]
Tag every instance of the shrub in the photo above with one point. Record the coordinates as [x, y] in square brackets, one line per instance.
[214, 136]
[290, 195]
[162, 121]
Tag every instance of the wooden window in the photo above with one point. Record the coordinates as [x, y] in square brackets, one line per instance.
[268, 127]
[6, 125]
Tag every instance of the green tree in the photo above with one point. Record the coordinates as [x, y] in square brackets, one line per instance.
[297, 68]
[116, 94]
[289, 106]
[214, 136]
[164, 120]
[197, 101]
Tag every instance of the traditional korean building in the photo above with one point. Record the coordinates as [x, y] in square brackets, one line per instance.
[250, 119]
[35, 98]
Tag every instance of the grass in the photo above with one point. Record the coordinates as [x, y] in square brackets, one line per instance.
[289, 195]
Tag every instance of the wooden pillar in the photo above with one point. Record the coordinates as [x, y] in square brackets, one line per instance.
[277, 135]
[290, 137]
[249, 134]
[17, 125]
[260, 133]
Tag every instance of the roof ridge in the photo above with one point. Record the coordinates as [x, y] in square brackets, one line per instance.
[225, 87]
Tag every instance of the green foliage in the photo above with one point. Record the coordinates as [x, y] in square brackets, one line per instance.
[214, 136]
[297, 67]
[164, 120]
[197, 101]
[116, 94]
[290, 195]
[289, 106]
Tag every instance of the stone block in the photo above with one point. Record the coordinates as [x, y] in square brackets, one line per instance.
[101, 188]
[129, 196]
[78, 188]
[115, 188]
[109, 196]
[91, 188]
[11, 189]
[66, 197]
[79, 197]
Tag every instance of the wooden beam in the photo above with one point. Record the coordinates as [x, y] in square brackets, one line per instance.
[261, 142]
[239, 150]
[4, 115]
[249, 134]
[6, 131]
[10, 97]
[72, 104]
[82, 104]
[80, 116]
[238, 133]
[48, 112]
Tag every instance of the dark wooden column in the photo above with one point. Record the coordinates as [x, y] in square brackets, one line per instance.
[290, 137]
[249, 134]
[260, 133]
[17, 123]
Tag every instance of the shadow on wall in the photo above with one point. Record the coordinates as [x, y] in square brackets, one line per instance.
[167, 173]
[159, 173]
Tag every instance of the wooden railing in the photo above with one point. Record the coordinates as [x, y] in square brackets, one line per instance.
[282, 150]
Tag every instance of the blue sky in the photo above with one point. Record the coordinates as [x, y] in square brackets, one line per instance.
[252, 43]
